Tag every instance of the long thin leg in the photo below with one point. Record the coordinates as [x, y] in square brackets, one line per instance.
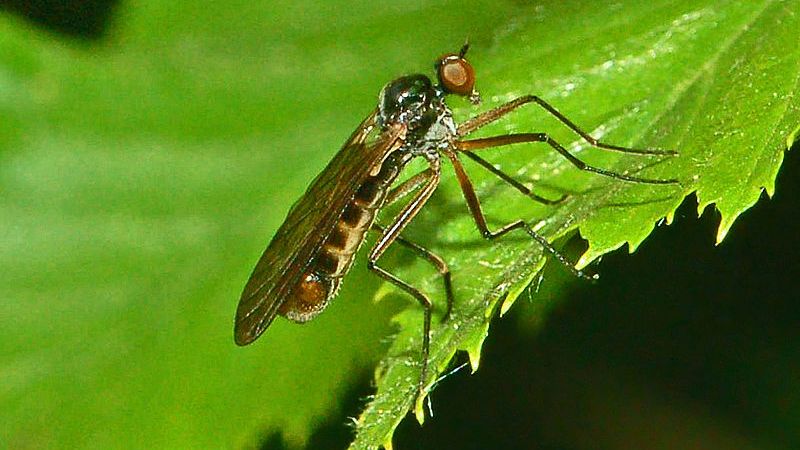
[435, 260]
[490, 116]
[474, 206]
[389, 235]
[408, 186]
[397, 193]
[497, 141]
[510, 180]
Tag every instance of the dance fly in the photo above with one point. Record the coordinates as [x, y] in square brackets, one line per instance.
[302, 268]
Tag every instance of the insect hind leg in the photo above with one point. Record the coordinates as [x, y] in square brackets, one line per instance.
[427, 307]
[389, 235]
[436, 261]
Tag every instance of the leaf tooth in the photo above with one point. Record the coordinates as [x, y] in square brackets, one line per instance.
[517, 289]
[793, 137]
[595, 251]
[419, 408]
[670, 217]
[634, 241]
[473, 345]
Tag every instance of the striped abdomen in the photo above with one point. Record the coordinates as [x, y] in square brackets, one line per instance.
[321, 281]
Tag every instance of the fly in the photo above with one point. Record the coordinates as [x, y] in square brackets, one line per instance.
[302, 268]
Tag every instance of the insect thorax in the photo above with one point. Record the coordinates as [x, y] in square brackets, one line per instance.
[440, 134]
[415, 102]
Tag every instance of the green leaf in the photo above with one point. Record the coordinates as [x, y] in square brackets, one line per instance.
[717, 81]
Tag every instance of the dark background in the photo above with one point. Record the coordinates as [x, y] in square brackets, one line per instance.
[75, 19]
[680, 345]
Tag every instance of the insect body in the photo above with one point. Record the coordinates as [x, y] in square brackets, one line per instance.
[302, 268]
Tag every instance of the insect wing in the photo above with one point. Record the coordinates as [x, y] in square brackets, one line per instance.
[309, 222]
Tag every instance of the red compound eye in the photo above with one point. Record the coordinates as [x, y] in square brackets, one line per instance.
[456, 75]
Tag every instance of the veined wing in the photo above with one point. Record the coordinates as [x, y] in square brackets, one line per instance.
[309, 222]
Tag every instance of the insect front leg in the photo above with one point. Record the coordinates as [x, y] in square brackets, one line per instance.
[390, 234]
[492, 115]
[474, 206]
[508, 139]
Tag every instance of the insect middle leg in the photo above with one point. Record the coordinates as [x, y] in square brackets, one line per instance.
[390, 234]
[513, 182]
[474, 206]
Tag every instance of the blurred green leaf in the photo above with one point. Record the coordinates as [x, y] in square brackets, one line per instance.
[140, 179]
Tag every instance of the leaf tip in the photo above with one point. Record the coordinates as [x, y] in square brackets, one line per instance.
[588, 256]
[419, 408]
[474, 345]
[670, 216]
[702, 206]
[517, 289]
[792, 138]
[722, 231]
